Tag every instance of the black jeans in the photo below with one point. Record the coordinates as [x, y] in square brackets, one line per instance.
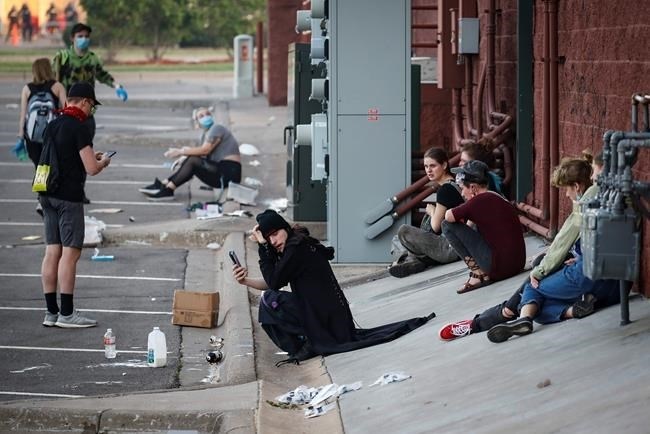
[468, 242]
[210, 172]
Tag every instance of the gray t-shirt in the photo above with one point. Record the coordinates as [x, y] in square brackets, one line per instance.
[227, 146]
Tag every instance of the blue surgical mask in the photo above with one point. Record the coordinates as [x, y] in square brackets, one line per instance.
[81, 42]
[206, 122]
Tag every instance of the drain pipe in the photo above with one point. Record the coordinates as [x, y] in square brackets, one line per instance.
[469, 89]
[554, 144]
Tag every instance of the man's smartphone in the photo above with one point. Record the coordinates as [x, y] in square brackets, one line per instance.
[234, 258]
[110, 154]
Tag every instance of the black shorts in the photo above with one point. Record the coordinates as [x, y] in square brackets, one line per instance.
[64, 222]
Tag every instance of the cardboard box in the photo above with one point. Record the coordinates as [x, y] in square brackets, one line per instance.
[195, 309]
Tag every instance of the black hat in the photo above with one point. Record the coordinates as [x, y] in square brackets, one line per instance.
[270, 221]
[473, 171]
[83, 89]
[80, 27]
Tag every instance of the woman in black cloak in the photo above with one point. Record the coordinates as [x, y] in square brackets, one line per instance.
[314, 318]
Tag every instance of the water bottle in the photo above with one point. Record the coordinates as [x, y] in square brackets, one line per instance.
[156, 349]
[109, 344]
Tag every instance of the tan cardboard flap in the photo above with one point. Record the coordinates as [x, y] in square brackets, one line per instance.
[196, 301]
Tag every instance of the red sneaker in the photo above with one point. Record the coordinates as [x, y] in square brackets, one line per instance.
[456, 330]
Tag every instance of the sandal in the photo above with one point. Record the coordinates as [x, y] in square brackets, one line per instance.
[484, 280]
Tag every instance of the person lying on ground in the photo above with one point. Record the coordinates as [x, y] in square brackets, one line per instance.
[427, 246]
[215, 162]
[555, 294]
[314, 318]
[495, 250]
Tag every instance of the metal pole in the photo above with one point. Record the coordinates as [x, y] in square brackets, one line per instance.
[625, 303]
[259, 38]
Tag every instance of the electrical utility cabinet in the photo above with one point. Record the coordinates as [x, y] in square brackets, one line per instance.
[306, 196]
[368, 121]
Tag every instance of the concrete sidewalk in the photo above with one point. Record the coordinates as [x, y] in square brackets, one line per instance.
[596, 370]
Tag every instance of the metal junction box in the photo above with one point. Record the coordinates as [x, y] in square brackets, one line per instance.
[369, 123]
[307, 198]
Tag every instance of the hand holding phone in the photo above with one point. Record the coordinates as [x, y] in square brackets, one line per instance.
[234, 258]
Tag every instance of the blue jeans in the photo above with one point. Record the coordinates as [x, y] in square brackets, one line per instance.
[558, 291]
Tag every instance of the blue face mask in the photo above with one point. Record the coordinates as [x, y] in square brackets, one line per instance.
[81, 42]
[206, 122]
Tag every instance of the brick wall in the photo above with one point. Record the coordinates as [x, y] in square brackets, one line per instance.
[281, 33]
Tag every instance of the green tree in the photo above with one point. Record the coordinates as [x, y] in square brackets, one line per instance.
[217, 22]
[110, 21]
[160, 24]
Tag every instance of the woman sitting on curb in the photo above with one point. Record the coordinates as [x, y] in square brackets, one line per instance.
[314, 318]
[496, 249]
[556, 255]
[556, 294]
[427, 246]
[216, 162]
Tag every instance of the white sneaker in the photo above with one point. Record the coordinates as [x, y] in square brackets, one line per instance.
[74, 321]
[50, 319]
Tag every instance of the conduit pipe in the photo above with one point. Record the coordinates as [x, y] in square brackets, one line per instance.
[469, 89]
[554, 114]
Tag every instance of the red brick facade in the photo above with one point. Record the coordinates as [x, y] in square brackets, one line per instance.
[281, 33]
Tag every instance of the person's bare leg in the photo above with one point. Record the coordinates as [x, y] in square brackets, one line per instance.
[68, 269]
[529, 310]
[49, 268]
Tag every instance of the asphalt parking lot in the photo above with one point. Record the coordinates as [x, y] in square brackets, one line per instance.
[130, 294]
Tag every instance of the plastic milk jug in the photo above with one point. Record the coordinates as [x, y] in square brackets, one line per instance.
[156, 349]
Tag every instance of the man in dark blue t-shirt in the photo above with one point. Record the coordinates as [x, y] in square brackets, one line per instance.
[63, 211]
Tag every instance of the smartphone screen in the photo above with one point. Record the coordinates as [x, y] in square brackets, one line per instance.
[234, 258]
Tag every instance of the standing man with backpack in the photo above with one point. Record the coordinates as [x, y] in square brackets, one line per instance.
[39, 100]
[68, 148]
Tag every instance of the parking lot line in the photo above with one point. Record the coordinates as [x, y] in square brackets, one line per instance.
[95, 276]
[41, 224]
[74, 350]
[90, 181]
[45, 395]
[138, 312]
[104, 202]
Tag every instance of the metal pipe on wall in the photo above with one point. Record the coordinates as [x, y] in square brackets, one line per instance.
[554, 144]
[490, 33]
[469, 96]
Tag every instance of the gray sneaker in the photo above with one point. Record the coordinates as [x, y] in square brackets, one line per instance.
[74, 321]
[50, 319]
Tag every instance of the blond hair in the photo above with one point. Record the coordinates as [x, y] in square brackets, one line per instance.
[42, 70]
[573, 170]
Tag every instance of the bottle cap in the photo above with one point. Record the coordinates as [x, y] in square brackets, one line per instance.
[156, 328]
[109, 330]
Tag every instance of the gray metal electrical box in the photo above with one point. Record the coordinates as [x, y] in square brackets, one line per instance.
[468, 40]
[369, 124]
[306, 198]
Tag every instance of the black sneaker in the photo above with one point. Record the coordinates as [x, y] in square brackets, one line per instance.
[503, 332]
[152, 188]
[164, 193]
[407, 268]
[584, 307]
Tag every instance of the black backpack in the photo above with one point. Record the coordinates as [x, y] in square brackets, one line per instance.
[40, 111]
[47, 176]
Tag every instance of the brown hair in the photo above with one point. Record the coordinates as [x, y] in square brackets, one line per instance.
[440, 155]
[477, 151]
[573, 170]
[593, 159]
[42, 70]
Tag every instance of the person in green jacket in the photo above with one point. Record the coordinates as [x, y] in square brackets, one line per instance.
[77, 63]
